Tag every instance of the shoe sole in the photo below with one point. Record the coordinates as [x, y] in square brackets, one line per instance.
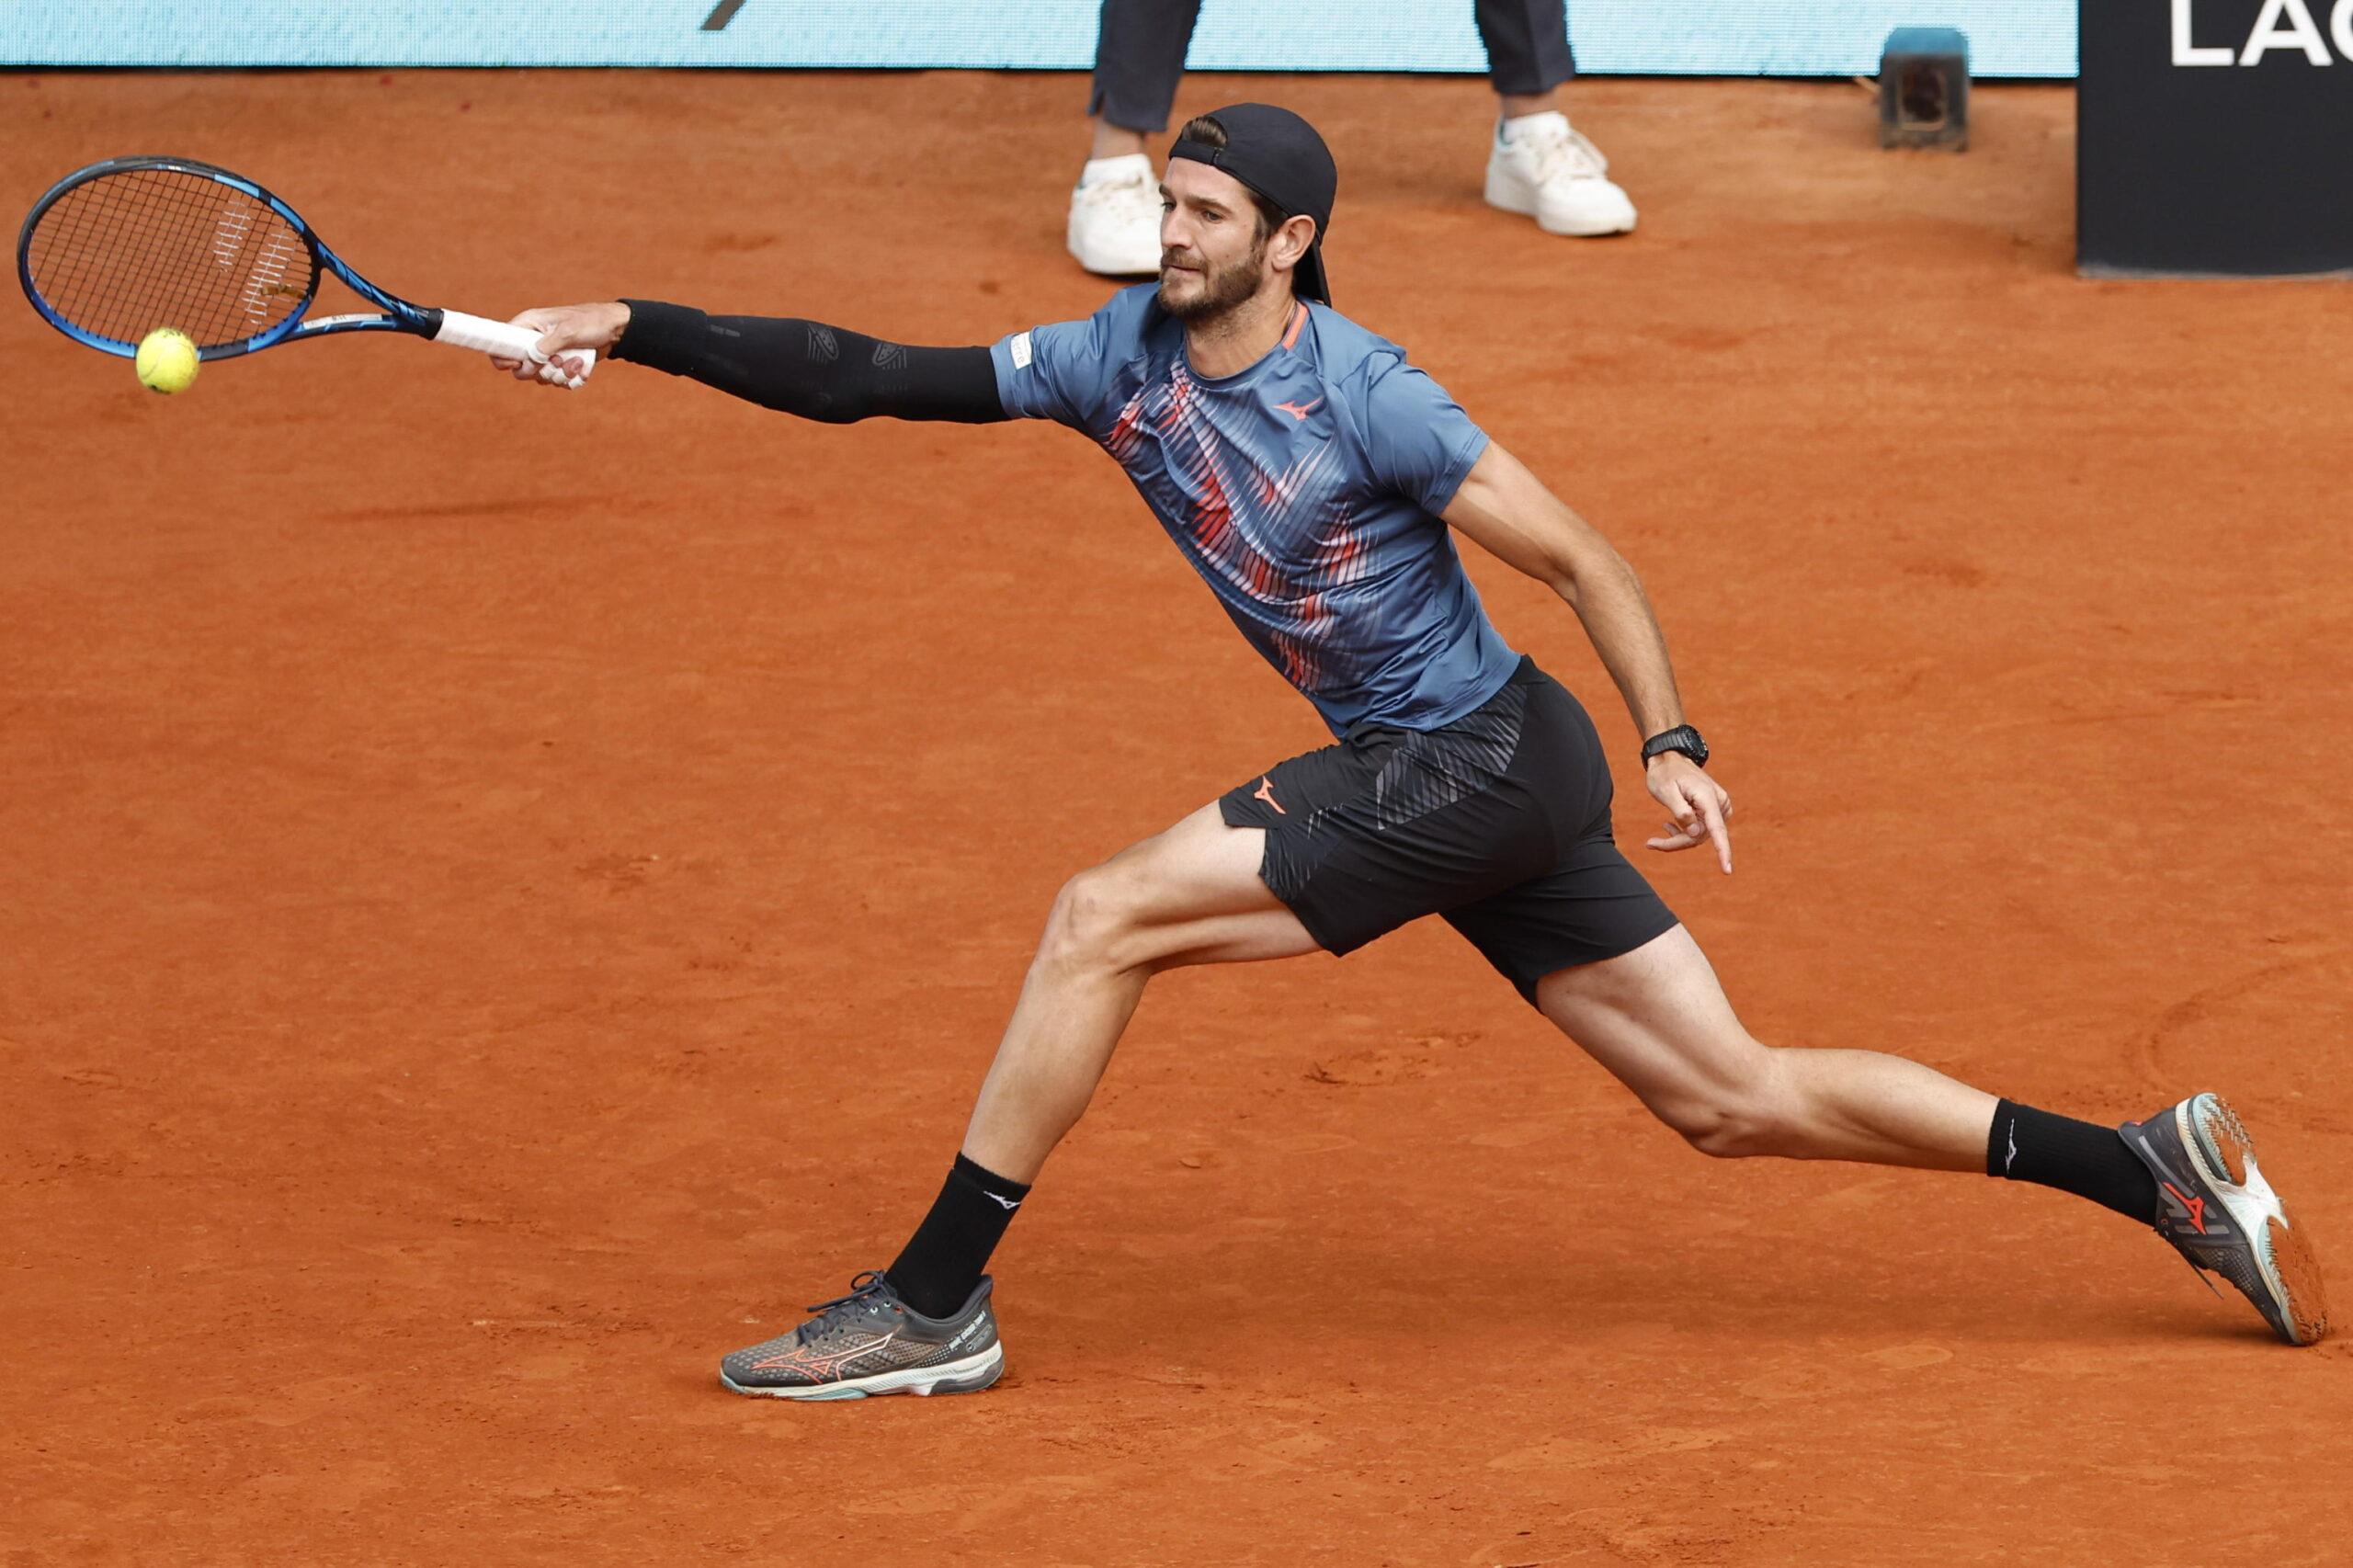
[2220, 1147]
[970, 1375]
[1509, 196]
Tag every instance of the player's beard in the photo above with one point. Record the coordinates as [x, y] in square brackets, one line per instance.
[1222, 288]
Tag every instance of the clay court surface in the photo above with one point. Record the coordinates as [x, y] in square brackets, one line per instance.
[509, 895]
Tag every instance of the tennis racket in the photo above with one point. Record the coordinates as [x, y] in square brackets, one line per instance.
[119, 249]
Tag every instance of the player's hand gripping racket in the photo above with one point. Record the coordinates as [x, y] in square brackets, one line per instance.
[120, 248]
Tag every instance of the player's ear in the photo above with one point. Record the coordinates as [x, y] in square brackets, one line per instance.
[1293, 238]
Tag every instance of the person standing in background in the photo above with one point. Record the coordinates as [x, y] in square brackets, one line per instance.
[1539, 165]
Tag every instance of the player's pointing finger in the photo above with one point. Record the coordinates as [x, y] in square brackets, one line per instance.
[1714, 818]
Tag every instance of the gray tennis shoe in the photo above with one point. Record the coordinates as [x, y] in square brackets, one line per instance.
[2217, 1209]
[871, 1342]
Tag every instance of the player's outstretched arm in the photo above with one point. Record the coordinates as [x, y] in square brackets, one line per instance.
[796, 367]
[1507, 510]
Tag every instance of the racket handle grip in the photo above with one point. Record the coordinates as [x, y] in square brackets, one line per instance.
[509, 342]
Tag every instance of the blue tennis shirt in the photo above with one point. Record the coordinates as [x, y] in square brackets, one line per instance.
[1305, 491]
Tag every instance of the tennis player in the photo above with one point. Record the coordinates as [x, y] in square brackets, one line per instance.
[1311, 475]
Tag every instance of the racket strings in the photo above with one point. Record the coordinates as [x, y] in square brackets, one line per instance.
[135, 250]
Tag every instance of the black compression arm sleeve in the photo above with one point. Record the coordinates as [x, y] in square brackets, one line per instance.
[816, 371]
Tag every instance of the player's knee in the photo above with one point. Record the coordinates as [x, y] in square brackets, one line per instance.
[1092, 919]
[1738, 1117]
[1722, 1133]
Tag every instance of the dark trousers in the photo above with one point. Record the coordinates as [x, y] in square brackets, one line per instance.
[1140, 54]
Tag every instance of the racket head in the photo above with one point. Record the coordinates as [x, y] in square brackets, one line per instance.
[115, 250]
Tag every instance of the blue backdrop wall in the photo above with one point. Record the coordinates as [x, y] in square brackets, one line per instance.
[2007, 38]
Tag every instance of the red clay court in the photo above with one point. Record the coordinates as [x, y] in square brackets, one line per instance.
[507, 891]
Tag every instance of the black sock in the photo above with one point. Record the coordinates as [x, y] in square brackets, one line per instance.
[2081, 1157]
[941, 1265]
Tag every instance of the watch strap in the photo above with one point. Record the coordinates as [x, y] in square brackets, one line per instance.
[1682, 738]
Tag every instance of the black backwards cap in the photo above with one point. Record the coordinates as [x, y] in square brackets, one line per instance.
[1279, 155]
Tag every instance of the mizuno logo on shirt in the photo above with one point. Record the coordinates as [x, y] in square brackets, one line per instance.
[1301, 410]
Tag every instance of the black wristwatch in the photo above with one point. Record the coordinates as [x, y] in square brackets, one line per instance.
[1682, 738]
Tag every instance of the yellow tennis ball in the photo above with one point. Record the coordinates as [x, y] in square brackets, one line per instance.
[167, 360]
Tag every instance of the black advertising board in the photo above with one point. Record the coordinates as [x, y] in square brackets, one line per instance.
[2215, 136]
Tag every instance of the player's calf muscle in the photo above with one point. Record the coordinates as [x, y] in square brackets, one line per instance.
[1834, 1105]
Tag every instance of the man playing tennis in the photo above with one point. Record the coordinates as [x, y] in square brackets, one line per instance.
[1310, 474]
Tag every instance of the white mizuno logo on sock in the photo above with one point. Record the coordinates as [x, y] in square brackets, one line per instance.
[2014, 1149]
[1012, 1203]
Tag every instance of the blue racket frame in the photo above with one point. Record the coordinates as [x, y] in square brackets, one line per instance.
[398, 315]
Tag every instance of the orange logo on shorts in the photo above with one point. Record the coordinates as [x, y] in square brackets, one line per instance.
[1265, 792]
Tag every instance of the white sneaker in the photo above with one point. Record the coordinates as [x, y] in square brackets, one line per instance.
[1540, 167]
[1115, 218]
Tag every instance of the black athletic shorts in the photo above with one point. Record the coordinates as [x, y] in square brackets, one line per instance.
[1500, 822]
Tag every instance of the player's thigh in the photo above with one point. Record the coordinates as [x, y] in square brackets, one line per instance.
[1190, 894]
[1198, 867]
[1659, 1021]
